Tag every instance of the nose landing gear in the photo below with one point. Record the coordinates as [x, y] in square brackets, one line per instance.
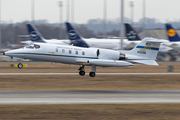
[81, 72]
[20, 65]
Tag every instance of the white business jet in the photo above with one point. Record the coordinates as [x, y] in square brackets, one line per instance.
[144, 53]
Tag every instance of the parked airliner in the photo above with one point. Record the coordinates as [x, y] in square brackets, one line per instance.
[144, 53]
[76, 39]
[174, 39]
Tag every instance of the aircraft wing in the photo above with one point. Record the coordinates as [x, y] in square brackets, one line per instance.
[109, 63]
[82, 61]
[104, 63]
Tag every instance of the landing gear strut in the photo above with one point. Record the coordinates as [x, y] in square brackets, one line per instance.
[81, 72]
[91, 74]
[93, 71]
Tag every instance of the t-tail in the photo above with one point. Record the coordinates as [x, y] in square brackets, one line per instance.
[34, 34]
[131, 34]
[74, 36]
[171, 33]
[146, 51]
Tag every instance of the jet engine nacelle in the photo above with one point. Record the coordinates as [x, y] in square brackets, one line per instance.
[110, 54]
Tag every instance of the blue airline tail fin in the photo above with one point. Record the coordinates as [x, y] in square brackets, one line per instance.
[172, 34]
[74, 36]
[35, 35]
[131, 34]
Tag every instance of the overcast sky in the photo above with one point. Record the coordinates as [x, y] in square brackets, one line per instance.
[20, 10]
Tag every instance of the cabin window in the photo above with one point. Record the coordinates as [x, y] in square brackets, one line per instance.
[63, 51]
[70, 51]
[76, 52]
[83, 53]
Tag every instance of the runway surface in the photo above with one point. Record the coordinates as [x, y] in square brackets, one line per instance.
[89, 96]
[88, 73]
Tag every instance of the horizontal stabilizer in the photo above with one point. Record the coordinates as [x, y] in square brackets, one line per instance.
[155, 41]
[146, 62]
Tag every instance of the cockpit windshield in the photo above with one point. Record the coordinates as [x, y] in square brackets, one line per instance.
[33, 46]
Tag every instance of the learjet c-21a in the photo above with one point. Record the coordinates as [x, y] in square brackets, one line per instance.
[144, 53]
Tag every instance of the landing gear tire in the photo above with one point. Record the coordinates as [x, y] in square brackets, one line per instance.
[92, 74]
[20, 65]
[82, 73]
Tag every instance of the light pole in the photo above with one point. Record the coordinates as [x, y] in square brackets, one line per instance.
[0, 25]
[132, 11]
[67, 14]
[32, 11]
[105, 12]
[144, 18]
[60, 19]
[122, 22]
[72, 11]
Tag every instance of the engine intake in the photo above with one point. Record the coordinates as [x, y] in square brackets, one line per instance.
[122, 56]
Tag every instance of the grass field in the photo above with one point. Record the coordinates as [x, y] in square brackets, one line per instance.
[91, 112]
[100, 82]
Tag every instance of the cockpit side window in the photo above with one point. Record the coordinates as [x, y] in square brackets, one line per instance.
[36, 46]
[33, 46]
[30, 46]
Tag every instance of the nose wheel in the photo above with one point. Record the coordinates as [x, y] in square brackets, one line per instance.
[81, 72]
[20, 65]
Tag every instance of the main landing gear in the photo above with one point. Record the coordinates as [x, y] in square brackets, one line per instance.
[20, 65]
[93, 71]
[91, 74]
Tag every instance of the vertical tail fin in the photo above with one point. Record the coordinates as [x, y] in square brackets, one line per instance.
[147, 48]
[35, 35]
[171, 33]
[131, 34]
[74, 36]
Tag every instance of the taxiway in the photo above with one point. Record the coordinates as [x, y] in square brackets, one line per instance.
[89, 96]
